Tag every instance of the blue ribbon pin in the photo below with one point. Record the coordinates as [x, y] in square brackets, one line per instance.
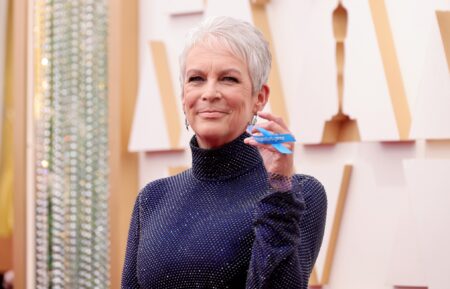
[275, 140]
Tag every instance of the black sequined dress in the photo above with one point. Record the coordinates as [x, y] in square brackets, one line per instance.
[220, 225]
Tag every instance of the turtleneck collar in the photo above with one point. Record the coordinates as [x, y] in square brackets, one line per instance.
[228, 161]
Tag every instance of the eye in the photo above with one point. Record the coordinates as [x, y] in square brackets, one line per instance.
[230, 79]
[195, 78]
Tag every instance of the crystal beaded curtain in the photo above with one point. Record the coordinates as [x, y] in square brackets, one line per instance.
[70, 113]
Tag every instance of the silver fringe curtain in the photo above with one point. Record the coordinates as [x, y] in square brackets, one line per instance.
[70, 107]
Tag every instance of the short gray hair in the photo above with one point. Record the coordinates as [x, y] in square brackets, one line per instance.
[240, 37]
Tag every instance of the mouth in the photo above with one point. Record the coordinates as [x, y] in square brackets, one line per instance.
[210, 113]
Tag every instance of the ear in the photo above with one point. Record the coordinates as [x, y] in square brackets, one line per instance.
[262, 98]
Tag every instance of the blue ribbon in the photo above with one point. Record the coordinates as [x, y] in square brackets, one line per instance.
[273, 139]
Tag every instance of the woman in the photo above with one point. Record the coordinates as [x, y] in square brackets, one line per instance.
[240, 217]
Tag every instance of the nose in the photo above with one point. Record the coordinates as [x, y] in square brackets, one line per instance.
[211, 91]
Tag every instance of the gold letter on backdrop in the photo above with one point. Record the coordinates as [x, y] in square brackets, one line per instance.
[340, 128]
[168, 98]
[391, 67]
[340, 206]
[443, 18]
[261, 21]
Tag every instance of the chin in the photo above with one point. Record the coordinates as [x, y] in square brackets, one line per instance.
[214, 135]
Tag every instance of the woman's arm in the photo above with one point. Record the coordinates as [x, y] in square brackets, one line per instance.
[288, 233]
[129, 273]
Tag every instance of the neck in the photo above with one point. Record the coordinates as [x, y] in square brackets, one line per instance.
[227, 161]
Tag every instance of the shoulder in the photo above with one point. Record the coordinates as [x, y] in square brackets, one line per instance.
[312, 190]
[164, 183]
[157, 189]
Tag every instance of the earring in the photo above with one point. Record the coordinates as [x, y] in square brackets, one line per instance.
[254, 120]
[186, 124]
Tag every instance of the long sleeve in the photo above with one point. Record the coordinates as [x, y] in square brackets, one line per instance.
[129, 273]
[288, 233]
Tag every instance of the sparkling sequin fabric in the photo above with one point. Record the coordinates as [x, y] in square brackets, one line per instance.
[220, 225]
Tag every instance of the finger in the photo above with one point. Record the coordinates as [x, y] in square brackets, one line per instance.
[271, 117]
[272, 127]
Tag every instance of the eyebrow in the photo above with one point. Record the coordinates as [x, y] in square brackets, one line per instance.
[231, 70]
[194, 71]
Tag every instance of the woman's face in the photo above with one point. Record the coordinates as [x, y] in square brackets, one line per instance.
[217, 95]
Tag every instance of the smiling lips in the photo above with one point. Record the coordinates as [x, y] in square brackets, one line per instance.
[212, 113]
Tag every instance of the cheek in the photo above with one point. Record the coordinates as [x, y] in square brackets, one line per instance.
[188, 101]
[244, 104]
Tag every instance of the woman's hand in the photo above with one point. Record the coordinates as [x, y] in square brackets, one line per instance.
[276, 163]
